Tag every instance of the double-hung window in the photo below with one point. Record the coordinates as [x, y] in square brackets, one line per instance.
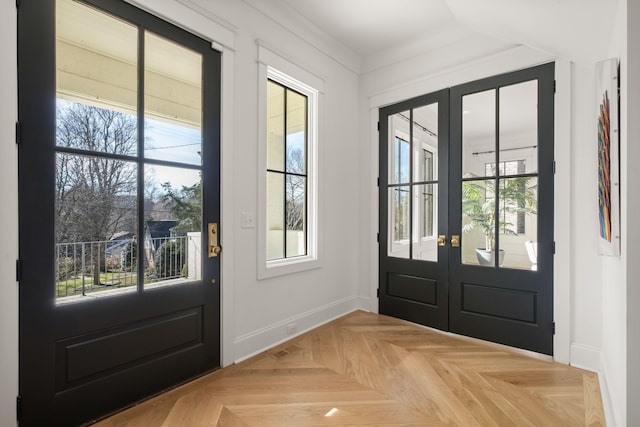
[288, 181]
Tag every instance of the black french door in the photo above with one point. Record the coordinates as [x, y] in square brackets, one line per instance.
[492, 277]
[414, 137]
[119, 183]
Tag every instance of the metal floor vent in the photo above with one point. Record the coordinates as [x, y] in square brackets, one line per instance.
[280, 354]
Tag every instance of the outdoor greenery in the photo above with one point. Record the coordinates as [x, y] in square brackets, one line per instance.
[129, 259]
[185, 206]
[516, 196]
[73, 285]
[170, 258]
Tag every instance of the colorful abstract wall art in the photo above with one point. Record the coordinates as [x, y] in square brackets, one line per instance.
[608, 157]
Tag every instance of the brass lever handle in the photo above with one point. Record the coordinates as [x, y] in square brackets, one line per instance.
[455, 241]
[212, 233]
[442, 240]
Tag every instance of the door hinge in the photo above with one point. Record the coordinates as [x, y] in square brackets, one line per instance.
[18, 270]
[553, 327]
[378, 181]
[378, 126]
[378, 292]
[378, 237]
[17, 4]
[554, 86]
[553, 247]
[18, 407]
[554, 167]
[18, 133]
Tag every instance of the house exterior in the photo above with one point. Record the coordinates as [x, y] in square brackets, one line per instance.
[594, 299]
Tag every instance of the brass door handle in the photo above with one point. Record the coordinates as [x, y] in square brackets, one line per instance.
[442, 240]
[455, 241]
[212, 232]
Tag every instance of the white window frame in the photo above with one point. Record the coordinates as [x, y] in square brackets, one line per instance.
[274, 67]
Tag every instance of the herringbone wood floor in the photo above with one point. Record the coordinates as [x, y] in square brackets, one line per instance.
[365, 369]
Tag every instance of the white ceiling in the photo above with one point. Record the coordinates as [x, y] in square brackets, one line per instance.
[571, 29]
[369, 26]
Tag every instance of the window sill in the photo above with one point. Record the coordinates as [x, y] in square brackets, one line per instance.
[283, 267]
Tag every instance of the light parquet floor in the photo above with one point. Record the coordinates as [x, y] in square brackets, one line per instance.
[370, 370]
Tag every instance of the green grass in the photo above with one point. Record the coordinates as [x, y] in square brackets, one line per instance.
[73, 286]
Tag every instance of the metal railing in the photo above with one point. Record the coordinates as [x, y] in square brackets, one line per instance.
[87, 267]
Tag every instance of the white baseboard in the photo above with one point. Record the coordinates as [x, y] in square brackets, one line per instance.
[585, 357]
[256, 342]
[606, 400]
[590, 358]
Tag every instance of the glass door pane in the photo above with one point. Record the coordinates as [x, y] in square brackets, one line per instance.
[425, 180]
[173, 101]
[499, 188]
[518, 222]
[413, 183]
[478, 134]
[518, 169]
[399, 148]
[96, 212]
[425, 222]
[519, 126]
[399, 221]
[96, 79]
[95, 225]
[172, 227]
[478, 183]
[478, 222]
[399, 192]
[173, 132]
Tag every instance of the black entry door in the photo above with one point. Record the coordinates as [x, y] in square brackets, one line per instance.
[501, 199]
[495, 268]
[414, 209]
[119, 208]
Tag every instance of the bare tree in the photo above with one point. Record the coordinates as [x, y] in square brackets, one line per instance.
[95, 195]
[295, 190]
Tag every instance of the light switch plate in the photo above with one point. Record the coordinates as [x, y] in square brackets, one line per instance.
[248, 220]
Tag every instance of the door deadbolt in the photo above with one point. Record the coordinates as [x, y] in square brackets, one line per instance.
[212, 232]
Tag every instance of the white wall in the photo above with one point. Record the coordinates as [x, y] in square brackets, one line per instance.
[631, 194]
[613, 269]
[8, 217]
[263, 308]
[585, 264]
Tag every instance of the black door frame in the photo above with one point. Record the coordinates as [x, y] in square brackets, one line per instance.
[39, 357]
[544, 317]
